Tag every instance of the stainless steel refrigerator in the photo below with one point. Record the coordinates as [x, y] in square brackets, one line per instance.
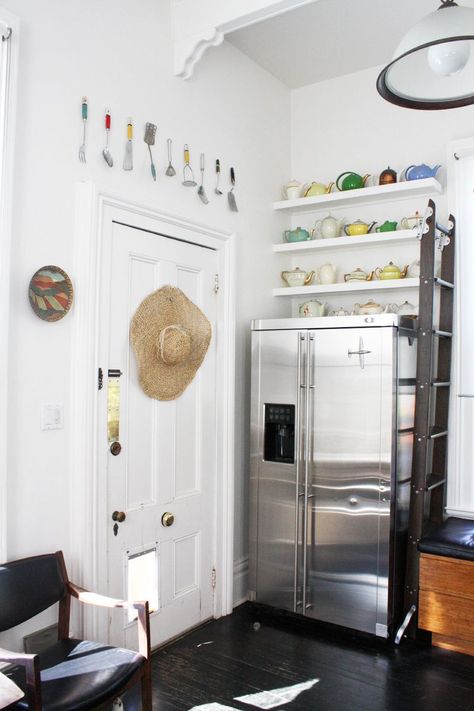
[332, 405]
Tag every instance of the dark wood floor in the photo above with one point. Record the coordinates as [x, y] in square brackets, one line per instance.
[356, 673]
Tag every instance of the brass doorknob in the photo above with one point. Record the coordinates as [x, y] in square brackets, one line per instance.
[167, 519]
[119, 516]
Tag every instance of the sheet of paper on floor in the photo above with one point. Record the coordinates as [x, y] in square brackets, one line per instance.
[276, 697]
[213, 707]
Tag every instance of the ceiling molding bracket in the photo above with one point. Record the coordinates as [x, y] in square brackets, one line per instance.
[188, 51]
[211, 20]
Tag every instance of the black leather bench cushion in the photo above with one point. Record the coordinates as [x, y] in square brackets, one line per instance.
[453, 538]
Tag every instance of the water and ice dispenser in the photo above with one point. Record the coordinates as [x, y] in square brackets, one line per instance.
[279, 438]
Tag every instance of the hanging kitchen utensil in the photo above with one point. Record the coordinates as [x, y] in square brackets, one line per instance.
[82, 147]
[188, 175]
[218, 175]
[230, 194]
[106, 152]
[150, 131]
[201, 191]
[170, 171]
[128, 157]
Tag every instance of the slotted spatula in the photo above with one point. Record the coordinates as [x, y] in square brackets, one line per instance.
[150, 131]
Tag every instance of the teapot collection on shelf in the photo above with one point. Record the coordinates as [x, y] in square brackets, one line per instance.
[327, 274]
[315, 309]
[350, 180]
[330, 227]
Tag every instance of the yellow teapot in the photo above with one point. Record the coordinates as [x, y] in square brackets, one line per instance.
[391, 271]
[314, 189]
[358, 227]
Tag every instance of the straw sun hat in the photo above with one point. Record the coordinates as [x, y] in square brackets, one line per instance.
[170, 336]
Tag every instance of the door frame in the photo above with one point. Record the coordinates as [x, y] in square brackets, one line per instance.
[94, 214]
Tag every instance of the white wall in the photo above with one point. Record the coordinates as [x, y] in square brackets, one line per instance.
[343, 124]
[118, 53]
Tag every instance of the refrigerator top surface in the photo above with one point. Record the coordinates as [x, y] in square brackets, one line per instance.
[359, 321]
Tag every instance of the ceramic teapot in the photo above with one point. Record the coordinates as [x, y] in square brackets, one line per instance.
[414, 269]
[387, 176]
[406, 309]
[297, 277]
[327, 274]
[409, 223]
[388, 226]
[314, 189]
[352, 181]
[391, 271]
[418, 172]
[358, 275]
[292, 190]
[339, 312]
[369, 308]
[313, 308]
[358, 227]
[328, 227]
[297, 235]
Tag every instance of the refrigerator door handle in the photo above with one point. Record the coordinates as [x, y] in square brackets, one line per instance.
[361, 353]
[307, 455]
[300, 387]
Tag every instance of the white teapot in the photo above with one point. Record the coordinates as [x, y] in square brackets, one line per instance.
[292, 190]
[297, 277]
[339, 312]
[313, 308]
[370, 308]
[414, 269]
[327, 228]
[327, 274]
[406, 309]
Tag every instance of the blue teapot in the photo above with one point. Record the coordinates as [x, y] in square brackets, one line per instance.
[298, 235]
[418, 172]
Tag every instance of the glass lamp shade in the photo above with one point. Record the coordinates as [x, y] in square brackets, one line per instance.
[433, 66]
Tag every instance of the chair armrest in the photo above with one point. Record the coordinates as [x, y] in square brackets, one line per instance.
[30, 662]
[141, 606]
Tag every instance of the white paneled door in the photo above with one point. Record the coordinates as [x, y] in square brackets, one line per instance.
[162, 484]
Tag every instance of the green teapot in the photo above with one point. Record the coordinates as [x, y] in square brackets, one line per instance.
[388, 226]
[297, 235]
[352, 181]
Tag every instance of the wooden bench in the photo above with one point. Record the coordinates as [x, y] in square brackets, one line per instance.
[446, 598]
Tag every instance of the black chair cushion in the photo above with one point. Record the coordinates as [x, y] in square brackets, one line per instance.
[78, 675]
[453, 538]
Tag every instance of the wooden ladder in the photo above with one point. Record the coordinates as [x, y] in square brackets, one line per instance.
[433, 373]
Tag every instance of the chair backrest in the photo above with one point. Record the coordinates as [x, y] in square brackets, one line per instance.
[29, 586]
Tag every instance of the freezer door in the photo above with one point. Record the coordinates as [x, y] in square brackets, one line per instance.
[348, 494]
[278, 359]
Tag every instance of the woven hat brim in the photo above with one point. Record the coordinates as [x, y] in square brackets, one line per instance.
[165, 307]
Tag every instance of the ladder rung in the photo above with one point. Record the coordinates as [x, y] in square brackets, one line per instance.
[406, 430]
[440, 383]
[434, 480]
[406, 381]
[442, 334]
[445, 284]
[437, 432]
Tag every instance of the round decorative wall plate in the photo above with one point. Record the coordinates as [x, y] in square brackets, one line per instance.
[50, 293]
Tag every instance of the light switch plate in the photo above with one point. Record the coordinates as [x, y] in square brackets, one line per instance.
[52, 415]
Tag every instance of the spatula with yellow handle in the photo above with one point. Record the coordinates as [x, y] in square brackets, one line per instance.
[128, 157]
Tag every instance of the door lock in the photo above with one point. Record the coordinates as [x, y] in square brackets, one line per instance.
[119, 516]
[167, 519]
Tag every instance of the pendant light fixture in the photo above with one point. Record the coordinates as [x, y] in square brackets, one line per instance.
[433, 66]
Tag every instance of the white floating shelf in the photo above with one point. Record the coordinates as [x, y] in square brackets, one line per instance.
[349, 287]
[372, 239]
[377, 193]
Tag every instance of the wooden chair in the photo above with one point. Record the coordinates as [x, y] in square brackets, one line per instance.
[72, 674]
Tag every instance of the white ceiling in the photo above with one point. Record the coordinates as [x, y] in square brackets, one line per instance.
[329, 38]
